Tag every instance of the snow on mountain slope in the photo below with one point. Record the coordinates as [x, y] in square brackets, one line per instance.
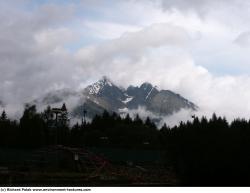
[105, 95]
[98, 86]
[108, 96]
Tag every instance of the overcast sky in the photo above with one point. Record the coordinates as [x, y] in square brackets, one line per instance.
[198, 48]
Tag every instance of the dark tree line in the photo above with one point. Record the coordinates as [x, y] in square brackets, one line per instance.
[210, 152]
[204, 152]
[110, 130]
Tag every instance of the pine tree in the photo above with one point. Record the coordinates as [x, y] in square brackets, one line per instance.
[150, 123]
[64, 116]
[138, 120]
[127, 119]
[64, 107]
[3, 116]
[32, 126]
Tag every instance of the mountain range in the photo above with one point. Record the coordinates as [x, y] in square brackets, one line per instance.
[105, 95]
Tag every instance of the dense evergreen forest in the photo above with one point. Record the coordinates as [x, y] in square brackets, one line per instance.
[204, 152]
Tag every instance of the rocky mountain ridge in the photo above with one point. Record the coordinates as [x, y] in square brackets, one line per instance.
[105, 95]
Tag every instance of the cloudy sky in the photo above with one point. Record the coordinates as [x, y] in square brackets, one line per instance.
[198, 48]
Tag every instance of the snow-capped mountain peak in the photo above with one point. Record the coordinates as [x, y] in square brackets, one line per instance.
[105, 95]
[99, 85]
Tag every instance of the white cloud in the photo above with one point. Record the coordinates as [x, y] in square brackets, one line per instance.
[31, 51]
[177, 45]
[243, 39]
[108, 30]
[165, 61]
[172, 120]
[124, 52]
[52, 38]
